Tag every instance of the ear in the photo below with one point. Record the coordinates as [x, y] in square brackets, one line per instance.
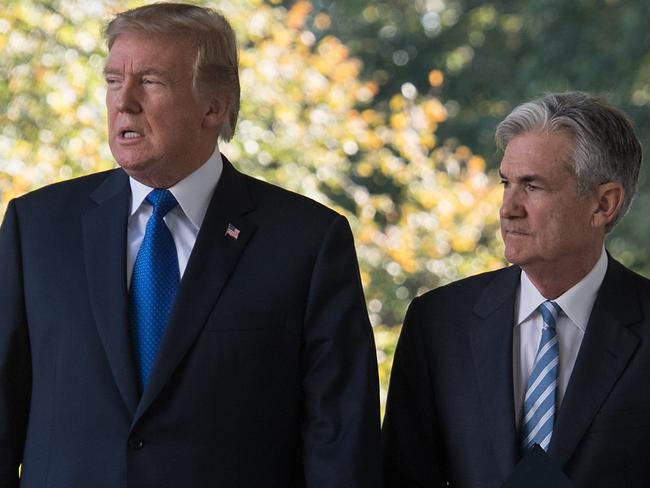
[216, 112]
[610, 198]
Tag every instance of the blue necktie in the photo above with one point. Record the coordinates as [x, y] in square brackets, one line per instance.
[154, 284]
[539, 402]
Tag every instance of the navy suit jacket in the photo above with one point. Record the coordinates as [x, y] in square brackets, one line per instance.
[266, 375]
[450, 412]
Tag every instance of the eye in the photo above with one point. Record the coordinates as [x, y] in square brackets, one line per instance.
[112, 81]
[504, 183]
[532, 187]
[151, 81]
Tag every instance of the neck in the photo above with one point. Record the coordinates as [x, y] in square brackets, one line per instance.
[160, 180]
[553, 281]
[167, 176]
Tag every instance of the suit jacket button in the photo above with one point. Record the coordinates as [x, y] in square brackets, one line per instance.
[136, 444]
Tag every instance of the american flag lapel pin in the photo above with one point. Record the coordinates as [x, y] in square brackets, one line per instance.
[232, 232]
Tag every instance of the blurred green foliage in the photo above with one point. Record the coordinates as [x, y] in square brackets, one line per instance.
[382, 109]
[497, 54]
[423, 212]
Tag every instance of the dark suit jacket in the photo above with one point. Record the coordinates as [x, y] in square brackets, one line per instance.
[266, 376]
[450, 413]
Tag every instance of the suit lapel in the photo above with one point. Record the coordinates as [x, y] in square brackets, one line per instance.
[213, 258]
[606, 349]
[491, 340]
[104, 233]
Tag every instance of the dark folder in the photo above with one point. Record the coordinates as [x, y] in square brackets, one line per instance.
[537, 470]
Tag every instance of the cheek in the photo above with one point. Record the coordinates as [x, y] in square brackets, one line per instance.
[110, 101]
[561, 231]
[111, 116]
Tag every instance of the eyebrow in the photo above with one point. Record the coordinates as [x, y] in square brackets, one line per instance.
[524, 178]
[145, 72]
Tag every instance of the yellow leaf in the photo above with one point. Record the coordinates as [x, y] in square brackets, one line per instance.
[297, 14]
[322, 21]
[435, 110]
[436, 78]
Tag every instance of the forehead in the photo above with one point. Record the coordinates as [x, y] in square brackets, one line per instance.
[538, 153]
[143, 51]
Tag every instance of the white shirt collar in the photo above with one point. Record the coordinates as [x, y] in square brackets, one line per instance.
[576, 302]
[193, 193]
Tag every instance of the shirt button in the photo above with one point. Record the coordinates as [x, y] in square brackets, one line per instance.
[136, 444]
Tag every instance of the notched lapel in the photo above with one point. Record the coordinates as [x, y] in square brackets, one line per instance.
[607, 348]
[213, 259]
[104, 231]
[491, 340]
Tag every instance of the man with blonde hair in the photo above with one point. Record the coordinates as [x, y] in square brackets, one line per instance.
[173, 322]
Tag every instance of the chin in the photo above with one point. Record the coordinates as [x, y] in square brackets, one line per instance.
[132, 165]
[515, 257]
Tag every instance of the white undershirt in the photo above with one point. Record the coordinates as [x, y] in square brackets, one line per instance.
[576, 304]
[193, 194]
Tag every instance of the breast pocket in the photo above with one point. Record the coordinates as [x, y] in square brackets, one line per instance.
[622, 420]
[246, 319]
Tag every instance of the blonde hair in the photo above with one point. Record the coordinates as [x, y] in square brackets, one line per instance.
[216, 63]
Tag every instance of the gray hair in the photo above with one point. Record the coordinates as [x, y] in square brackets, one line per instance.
[216, 63]
[606, 147]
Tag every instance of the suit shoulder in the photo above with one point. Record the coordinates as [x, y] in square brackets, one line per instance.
[633, 275]
[624, 279]
[467, 290]
[276, 199]
[68, 190]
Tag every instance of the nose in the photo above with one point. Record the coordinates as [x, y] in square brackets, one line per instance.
[512, 206]
[127, 98]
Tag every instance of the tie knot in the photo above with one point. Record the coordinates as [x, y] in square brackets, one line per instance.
[162, 200]
[550, 312]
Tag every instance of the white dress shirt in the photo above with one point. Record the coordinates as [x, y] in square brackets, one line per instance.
[576, 304]
[193, 194]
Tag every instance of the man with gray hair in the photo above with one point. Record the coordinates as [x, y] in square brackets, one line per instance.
[173, 322]
[552, 353]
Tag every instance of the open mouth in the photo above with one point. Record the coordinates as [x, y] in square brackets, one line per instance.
[130, 134]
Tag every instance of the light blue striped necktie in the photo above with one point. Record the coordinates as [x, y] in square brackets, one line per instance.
[539, 402]
[154, 284]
